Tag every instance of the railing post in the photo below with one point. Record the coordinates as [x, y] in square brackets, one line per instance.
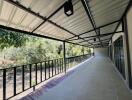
[36, 74]
[52, 66]
[45, 70]
[14, 81]
[55, 66]
[4, 84]
[30, 75]
[23, 78]
[64, 55]
[41, 76]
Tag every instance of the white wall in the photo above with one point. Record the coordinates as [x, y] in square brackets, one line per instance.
[101, 51]
[116, 36]
[129, 25]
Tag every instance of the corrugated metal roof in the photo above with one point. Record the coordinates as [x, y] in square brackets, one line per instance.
[18, 14]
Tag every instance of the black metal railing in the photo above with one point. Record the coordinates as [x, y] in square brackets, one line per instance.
[16, 80]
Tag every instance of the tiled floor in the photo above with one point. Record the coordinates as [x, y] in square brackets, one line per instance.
[95, 79]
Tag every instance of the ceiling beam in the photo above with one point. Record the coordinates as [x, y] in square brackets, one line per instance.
[34, 34]
[123, 15]
[90, 16]
[101, 35]
[102, 26]
[103, 41]
[17, 4]
[98, 44]
[92, 39]
[49, 17]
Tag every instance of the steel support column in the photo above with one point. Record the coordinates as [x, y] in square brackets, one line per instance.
[64, 55]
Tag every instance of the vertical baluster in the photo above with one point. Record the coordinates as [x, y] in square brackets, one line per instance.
[30, 75]
[62, 65]
[59, 65]
[68, 62]
[55, 66]
[36, 73]
[23, 77]
[45, 70]
[52, 68]
[4, 84]
[14, 85]
[49, 67]
[41, 72]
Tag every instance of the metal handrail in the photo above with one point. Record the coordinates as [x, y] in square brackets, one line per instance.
[45, 70]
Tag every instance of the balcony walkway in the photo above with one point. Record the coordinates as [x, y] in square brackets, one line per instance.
[94, 79]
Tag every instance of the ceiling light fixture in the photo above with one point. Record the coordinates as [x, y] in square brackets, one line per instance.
[94, 39]
[68, 8]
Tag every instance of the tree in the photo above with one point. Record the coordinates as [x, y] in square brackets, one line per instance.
[10, 38]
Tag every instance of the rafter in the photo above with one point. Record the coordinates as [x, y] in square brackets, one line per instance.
[101, 35]
[95, 28]
[17, 4]
[34, 34]
[49, 17]
[88, 11]
[124, 14]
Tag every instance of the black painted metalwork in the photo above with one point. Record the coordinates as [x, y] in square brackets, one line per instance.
[64, 55]
[101, 35]
[86, 6]
[41, 76]
[124, 14]
[90, 16]
[51, 68]
[36, 73]
[14, 81]
[17, 4]
[45, 67]
[93, 29]
[23, 78]
[49, 17]
[33, 34]
[30, 74]
[4, 84]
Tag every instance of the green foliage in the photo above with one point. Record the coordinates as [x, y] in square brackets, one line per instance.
[73, 50]
[9, 38]
[25, 49]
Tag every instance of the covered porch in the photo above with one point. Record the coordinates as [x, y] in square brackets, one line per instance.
[94, 79]
[104, 26]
